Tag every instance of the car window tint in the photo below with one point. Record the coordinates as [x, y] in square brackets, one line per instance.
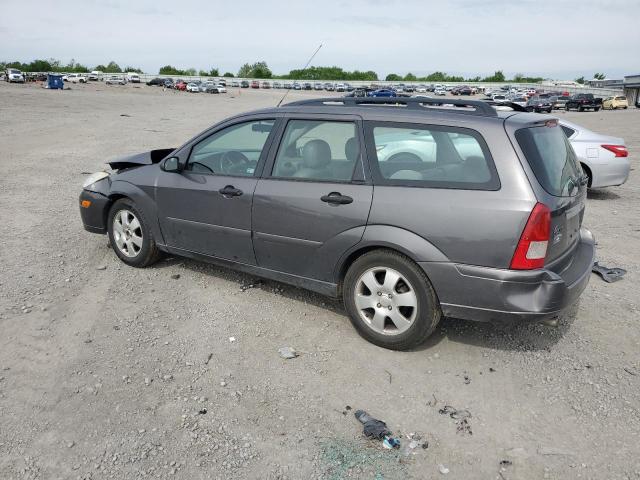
[234, 150]
[551, 158]
[317, 150]
[424, 156]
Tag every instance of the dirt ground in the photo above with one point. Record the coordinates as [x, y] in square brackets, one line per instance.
[114, 372]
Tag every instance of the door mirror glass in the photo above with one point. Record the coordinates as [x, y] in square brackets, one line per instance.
[171, 164]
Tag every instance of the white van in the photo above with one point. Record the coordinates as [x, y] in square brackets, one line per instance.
[133, 77]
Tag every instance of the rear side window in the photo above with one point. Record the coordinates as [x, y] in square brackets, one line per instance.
[430, 156]
[551, 158]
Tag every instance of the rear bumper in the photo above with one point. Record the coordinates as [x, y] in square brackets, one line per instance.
[491, 294]
[94, 216]
[610, 174]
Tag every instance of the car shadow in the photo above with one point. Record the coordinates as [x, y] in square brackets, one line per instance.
[498, 336]
[602, 194]
[523, 337]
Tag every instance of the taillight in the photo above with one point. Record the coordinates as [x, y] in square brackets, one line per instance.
[618, 150]
[532, 247]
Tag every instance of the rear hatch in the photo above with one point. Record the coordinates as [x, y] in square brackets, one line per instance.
[563, 185]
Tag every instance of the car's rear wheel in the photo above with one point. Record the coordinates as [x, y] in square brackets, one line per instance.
[130, 236]
[390, 300]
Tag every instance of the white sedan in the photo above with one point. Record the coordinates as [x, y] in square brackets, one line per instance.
[604, 159]
[193, 87]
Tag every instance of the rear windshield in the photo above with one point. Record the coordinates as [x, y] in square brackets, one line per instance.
[551, 158]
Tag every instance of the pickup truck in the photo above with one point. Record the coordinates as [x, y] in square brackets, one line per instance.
[583, 101]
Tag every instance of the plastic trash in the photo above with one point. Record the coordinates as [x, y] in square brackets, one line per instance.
[375, 428]
[287, 353]
[609, 275]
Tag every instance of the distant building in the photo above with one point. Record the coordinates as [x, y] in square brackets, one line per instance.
[606, 83]
[631, 87]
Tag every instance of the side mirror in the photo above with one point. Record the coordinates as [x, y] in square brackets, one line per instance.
[171, 164]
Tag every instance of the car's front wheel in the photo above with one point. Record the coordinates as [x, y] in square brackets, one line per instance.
[390, 300]
[130, 236]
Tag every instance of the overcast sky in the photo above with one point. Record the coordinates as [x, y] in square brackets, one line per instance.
[557, 39]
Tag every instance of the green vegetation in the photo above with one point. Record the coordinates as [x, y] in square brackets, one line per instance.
[255, 70]
[599, 76]
[190, 72]
[329, 73]
[580, 80]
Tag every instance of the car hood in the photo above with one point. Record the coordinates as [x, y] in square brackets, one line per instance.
[146, 158]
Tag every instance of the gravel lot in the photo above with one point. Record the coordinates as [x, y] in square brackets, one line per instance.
[113, 372]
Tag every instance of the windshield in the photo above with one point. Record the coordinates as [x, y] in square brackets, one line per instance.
[551, 158]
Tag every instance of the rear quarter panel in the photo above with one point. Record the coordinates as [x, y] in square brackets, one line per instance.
[467, 226]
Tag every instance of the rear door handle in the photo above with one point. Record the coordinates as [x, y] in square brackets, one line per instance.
[336, 198]
[230, 191]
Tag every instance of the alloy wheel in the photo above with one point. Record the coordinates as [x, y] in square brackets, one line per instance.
[127, 233]
[386, 300]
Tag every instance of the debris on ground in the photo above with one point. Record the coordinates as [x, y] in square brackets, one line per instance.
[460, 416]
[101, 267]
[254, 284]
[415, 444]
[442, 469]
[175, 276]
[209, 357]
[608, 274]
[341, 459]
[232, 339]
[375, 428]
[287, 353]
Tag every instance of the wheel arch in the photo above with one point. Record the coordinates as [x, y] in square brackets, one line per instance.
[589, 173]
[386, 237]
[143, 201]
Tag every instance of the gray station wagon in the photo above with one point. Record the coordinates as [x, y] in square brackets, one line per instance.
[407, 208]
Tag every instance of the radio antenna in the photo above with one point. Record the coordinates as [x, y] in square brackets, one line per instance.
[303, 69]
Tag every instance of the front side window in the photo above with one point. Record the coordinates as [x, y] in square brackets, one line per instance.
[431, 156]
[317, 150]
[234, 150]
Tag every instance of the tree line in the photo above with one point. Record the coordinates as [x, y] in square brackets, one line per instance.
[261, 70]
[53, 65]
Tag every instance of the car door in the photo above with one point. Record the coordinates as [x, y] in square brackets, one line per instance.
[205, 208]
[313, 201]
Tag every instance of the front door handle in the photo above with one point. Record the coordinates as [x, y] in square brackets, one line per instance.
[230, 191]
[336, 198]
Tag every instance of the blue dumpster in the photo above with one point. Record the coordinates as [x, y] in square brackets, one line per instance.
[55, 81]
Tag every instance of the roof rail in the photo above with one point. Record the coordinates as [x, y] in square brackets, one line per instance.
[513, 106]
[468, 107]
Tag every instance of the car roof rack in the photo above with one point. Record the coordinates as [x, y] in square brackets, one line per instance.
[513, 106]
[449, 105]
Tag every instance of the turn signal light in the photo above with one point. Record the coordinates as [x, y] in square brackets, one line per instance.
[85, 203]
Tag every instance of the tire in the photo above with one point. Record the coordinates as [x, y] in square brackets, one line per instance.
[597, 109]
[374, 323]
[135, 253]
[566, 108]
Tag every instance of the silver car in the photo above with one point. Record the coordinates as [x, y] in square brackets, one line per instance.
[603, 158]
[443, 208]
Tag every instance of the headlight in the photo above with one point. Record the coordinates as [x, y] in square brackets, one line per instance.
[93, 178]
